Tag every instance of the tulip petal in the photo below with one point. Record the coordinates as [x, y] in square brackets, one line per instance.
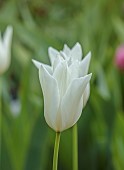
[57, 60]
[86, 94]
[0, 39]
[38, 65]
[84, 65]
[74, 70]
[64, 55]
[52, 54]
[1, 47]
[72, 104]
[51, 96]
[76, 52]
[61, 74]
[7, 38]
[5, 49]
[66, 49]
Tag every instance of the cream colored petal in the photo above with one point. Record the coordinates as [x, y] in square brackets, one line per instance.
[76, 52]
[84, 65]
[52, 54]
[51, 97]
[72, 104]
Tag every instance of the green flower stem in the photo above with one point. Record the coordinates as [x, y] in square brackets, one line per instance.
[75, 147]
[56, 151]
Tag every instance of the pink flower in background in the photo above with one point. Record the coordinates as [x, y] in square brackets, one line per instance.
[119, 57]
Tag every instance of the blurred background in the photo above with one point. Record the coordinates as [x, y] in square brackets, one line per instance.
[26, 140]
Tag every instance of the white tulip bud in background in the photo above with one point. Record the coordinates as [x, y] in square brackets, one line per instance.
[5, 49]
[65, 86]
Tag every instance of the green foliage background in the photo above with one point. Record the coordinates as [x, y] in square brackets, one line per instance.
[26, 140]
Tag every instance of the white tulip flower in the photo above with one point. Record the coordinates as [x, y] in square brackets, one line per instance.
[65, 86]
[71, 55]
[5, 49]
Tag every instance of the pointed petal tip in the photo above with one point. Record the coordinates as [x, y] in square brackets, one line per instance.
[8, 34]
[86, 77]
[87, 57]
[52, 52]
[77, 43]
[33, 60]
[66, 49]
[9, 29]
[36, 63]
[65, 45]
[89, 76]
[89, 54]
[49, 49]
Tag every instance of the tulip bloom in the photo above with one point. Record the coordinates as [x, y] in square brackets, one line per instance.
[119, 57]
[65, 86]
[5, 49]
